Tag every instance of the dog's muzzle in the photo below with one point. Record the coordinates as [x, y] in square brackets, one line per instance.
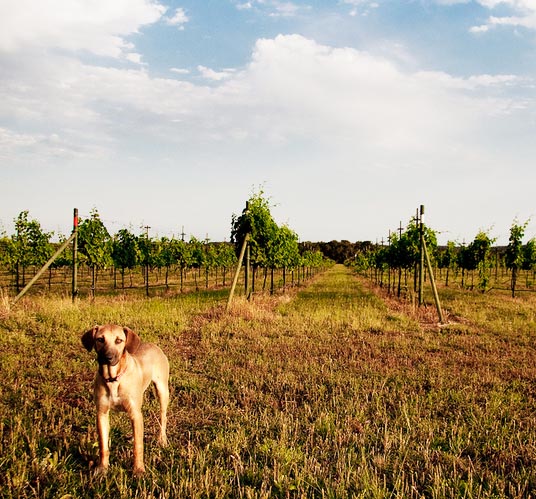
[106, 359]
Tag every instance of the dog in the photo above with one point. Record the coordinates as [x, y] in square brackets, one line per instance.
[126, 368]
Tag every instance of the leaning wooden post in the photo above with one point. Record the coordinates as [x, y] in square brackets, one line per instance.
[75, 255]
[432, 282]
[237, 273]
[43, 269]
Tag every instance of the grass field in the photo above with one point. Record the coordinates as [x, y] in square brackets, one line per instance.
[329, 392]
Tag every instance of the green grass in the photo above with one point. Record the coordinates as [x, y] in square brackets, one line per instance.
[331, 392]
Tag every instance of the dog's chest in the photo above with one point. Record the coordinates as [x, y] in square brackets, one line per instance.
[116, 397]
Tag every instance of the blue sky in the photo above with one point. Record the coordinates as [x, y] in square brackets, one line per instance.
[348, 114]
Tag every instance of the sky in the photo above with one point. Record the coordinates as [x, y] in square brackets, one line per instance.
[347, 114]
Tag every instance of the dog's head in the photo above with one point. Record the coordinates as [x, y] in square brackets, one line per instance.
[110, 342]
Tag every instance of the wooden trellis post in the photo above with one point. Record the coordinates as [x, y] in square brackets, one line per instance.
[432, 282]
[421, 262]
[45, 267]
[75, 255]
[247, 271]
[237, 273]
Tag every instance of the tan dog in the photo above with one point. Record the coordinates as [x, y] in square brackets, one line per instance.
[126, 368]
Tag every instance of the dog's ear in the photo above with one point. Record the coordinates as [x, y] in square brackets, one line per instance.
[88, 338]
[133, 340]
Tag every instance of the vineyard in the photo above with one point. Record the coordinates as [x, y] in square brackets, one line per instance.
[128, 262]
[321, 380]
[398, 266]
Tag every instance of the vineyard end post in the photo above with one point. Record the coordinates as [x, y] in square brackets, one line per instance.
[75, 255]
[247, 269]
[147, 227]
[421, 262]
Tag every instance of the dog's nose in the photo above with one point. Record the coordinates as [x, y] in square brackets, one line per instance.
[105, 358]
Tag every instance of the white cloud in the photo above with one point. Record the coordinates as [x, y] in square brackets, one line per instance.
[342, 93]
[100, 26]
[452, 2]
[274, 8]
[521, 5]
[486, 80]
[210, 74]
[10, 140]
[285, 9]
[479, 29]
[524, 15]
[294, 90]
[179, 18]
[361, 7]
[527, 21]
[181, 71]
[326, 95]
[134, 57]
[491, 4]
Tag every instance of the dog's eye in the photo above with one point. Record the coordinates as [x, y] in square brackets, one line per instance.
[118, 340]
[100, 340]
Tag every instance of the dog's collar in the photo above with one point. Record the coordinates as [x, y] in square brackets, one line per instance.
[113, 380]
[116, 378]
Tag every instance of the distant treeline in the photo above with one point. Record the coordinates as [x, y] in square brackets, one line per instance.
[339, 251]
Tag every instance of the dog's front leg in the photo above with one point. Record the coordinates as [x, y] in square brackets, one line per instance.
[103, 429]
[137, 430]
[162, 391]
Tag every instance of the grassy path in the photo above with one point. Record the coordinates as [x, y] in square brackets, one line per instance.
[334, 396]
[338, 298]
[326, 394]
